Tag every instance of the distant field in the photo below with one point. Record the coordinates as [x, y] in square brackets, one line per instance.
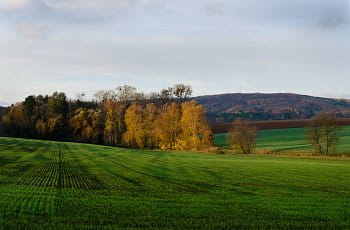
[288, 139]
[273, 124]
[53, 185]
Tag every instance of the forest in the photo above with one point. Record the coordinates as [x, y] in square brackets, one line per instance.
[120, 117]
[226, 108]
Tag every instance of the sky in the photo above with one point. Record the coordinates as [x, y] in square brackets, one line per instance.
[216, 46]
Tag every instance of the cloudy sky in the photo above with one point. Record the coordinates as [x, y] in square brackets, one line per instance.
[217, 46]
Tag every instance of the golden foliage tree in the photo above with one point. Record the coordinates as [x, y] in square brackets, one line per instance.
[139, 122]
[167, 127]
[114, 122]
[149, 118]
[196, 133]
[117, 117]
[133, 137]
[242, 137]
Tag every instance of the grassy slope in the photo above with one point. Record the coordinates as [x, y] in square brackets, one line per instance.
[63, 185]
[288, 139]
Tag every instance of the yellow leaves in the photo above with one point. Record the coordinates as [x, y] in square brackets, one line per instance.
[196, 132]
[114, 122]
[14, 117]
[41, 127]
[139, 123]
[85, 125]
[134, 133]
[184, 128]
[54, 123]
[167, 127]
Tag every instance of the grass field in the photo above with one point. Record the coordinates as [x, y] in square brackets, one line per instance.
[288, 139]
[53, 185]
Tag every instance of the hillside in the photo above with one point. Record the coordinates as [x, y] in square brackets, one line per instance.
[51, 185]
[279, 106]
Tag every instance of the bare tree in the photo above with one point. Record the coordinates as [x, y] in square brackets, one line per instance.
[166, 94]
[105, 95]
[321, 132]
[126, 93]
[242, 137]
[182, 91]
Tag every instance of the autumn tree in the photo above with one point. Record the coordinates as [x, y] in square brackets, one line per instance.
[115, 117]
[242, 137]
[321, 132]
[114, 126]
[196, 133]
[87, 125]
[13, 121]
[57, 109]
[139, 122]
[167, 127]
[134, 135]
[150, 116]
[41, 128]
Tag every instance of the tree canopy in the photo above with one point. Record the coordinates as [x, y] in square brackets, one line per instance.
[120, 117]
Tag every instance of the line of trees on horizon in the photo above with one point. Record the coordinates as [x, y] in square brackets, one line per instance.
[120, 117]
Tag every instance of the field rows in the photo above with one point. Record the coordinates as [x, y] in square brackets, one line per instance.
[53, 185]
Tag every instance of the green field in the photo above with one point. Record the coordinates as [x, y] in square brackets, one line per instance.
[288, 140]
[52, 185]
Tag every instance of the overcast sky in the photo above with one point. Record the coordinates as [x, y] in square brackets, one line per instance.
[217, 46]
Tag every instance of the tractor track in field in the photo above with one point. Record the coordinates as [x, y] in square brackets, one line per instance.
[59, 175]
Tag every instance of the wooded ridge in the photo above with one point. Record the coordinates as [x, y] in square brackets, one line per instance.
[226, 108]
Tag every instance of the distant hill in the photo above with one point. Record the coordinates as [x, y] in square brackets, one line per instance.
[280, 106]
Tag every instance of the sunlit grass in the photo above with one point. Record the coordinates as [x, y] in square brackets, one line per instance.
[288, 139]
[65, 185]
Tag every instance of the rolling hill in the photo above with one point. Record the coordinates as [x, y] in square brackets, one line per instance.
[280, 106]
[52, 185]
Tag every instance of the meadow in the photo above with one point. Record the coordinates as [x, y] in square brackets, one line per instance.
[288, 140]
[51, 185]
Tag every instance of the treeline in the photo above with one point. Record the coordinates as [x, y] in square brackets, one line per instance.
[2, 111]
[120, 117]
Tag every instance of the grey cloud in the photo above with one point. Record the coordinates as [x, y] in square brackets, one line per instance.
[335, 15]
[216, 45]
